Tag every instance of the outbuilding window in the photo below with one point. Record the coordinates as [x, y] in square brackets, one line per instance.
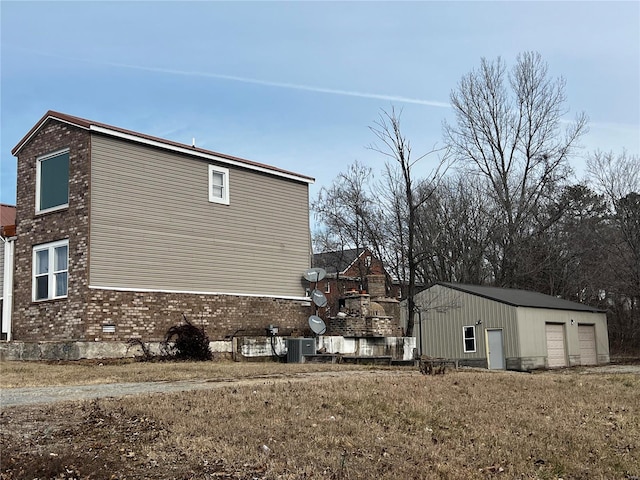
[218, 185]
[52, 181]
[50, 270]
[469, 334]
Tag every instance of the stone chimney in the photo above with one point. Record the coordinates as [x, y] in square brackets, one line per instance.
[376, 286]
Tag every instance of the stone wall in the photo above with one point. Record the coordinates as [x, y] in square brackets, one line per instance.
[357, 326]
[60, 319]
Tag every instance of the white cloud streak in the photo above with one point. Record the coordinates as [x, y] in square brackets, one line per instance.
[292, 86]
[254, 81]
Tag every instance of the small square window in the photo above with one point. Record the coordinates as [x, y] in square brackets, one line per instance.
[469, 339]
[50, 270]
[218, 185]
[52, 182]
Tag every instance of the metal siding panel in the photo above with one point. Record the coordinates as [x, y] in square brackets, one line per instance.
[460, 309]
[153, 227]
[2, 269]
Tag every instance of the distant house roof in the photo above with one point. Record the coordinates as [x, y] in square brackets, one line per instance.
[7, 214]
[137, 137]
[337, 262]
[521, 298]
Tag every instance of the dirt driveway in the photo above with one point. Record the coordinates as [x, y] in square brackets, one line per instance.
[13, 397]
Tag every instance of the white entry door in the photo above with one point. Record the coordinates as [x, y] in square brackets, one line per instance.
[495, 349]
[556, 356]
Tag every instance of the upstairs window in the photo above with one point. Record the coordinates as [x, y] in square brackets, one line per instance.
[218, 185]
[469, 339]
[52, 181]
[50, 270]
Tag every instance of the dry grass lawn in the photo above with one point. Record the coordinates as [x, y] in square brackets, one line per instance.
[466, 424]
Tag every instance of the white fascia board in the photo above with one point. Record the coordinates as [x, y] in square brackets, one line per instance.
[194, 292]
[187, 151]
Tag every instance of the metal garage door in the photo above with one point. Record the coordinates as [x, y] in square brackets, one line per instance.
[587, 340]
[556, 356]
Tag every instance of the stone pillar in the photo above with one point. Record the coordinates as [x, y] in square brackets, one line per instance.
[376, 286]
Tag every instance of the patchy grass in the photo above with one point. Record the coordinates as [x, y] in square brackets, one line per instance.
[40, 374]
[466, 424]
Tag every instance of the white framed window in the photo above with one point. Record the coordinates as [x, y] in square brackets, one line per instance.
[327, 287]
[50, 270]
[52, 181]
[469, 337]
[218, 184]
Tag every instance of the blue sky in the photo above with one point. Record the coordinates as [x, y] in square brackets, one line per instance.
[296, 84]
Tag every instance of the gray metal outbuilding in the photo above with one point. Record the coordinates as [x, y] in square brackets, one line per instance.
[500, 328]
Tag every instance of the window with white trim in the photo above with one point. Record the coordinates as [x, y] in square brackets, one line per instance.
[218, 184]
[469, 334]
[327, 287]
[52, 181]
[50, 270]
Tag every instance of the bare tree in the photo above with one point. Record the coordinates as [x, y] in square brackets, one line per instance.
[408, 193]
[345, 209]
[612, 175]
[617, 177]
[508, 132]
[453, 232]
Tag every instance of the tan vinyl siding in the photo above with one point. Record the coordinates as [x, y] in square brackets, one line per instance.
[448, 310]
[153, 227]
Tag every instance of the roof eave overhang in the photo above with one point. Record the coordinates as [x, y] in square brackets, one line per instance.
[158, 143]
[194, 153]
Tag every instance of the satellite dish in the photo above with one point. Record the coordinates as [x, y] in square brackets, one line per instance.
[318, 298]
[315, 274]
[317, 325]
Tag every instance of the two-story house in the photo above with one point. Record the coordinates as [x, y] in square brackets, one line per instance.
[119, 233]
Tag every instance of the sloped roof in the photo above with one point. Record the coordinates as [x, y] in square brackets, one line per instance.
[521, 298]
[137, 137]
[336, 262]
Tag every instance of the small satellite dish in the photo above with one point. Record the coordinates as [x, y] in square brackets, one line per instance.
[315, 274]
[317, 325]
[318, 298]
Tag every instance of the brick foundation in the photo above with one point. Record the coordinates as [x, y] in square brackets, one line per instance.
[148, 315]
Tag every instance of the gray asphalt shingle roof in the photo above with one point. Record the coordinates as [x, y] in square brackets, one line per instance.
[521, 298]
[338, 261]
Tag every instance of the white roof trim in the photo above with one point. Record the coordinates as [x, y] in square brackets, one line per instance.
[154, 290]
[188, 151]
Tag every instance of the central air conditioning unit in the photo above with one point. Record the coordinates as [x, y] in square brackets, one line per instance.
[298, 347]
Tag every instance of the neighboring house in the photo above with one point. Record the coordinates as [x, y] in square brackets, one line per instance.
[502, 328]
[120, 233]
[7, 240]
[352, 270]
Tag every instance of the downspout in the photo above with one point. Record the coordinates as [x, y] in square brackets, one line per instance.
[7, 294]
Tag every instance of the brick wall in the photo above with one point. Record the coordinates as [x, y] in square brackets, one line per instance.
[148, 315]
[52, 319]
